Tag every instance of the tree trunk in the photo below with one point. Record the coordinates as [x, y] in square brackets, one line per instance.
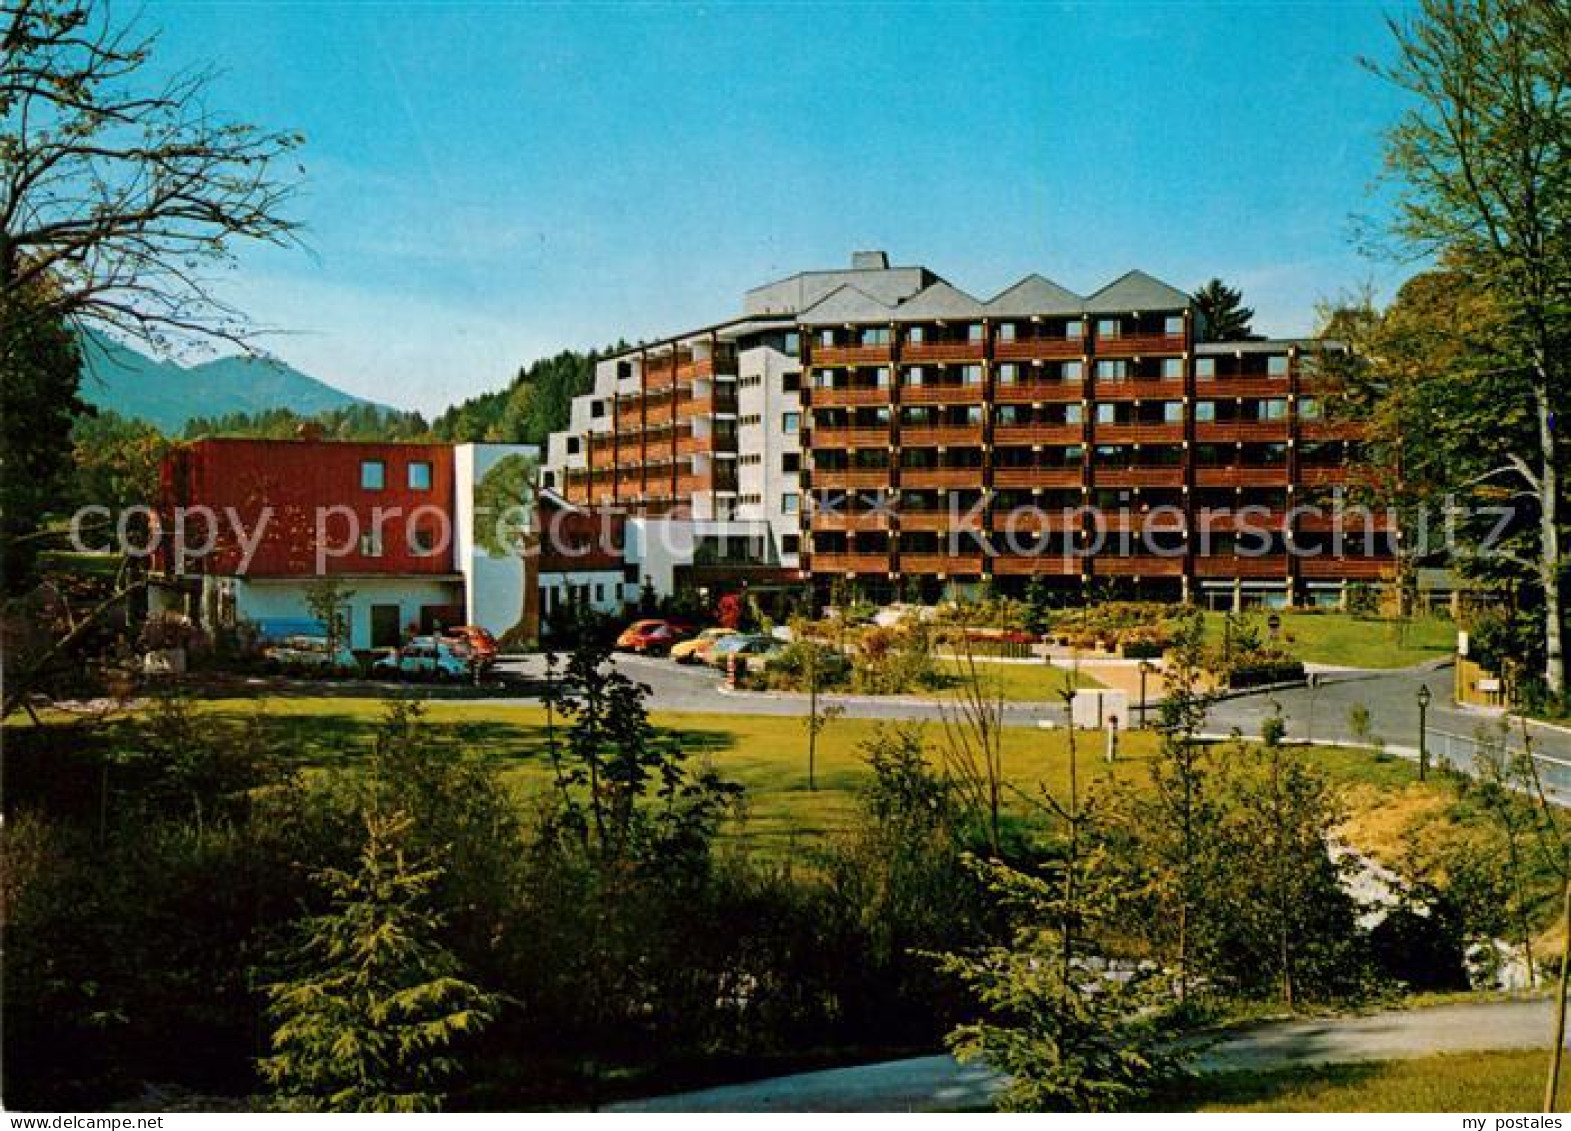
[1549, 519]
[1557, 1052]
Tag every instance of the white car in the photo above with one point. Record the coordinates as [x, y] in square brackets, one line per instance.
[428, 657]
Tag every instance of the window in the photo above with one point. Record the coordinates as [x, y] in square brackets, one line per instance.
[826, 338]
[1107, 414]
[599, 591]
[1072, 414]
[970, 374]
[875, 336]
[1173, 327]
[1273, 410]
[1205, 367]
[373, 475]
[1172, 368]
[916, 335]
[1006, 331]
[790, 503]
[793, 343]
[597, 408]
[420, 472]
[1072, 371]
[974, 332]
[1111, 370]
[1309, 408]
[1075, 330]
[790, 543]
[790, 462]
[572, 449]
[1172, 412]
[790, 382]
[1107, 327]
[791, 422]
[1008, 374]
[1276, 366]
[371, 544]
[1205, 410]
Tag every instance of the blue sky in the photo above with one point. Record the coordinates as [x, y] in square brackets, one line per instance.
[485, 183]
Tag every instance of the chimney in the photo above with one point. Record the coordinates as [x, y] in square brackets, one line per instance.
[869, 261]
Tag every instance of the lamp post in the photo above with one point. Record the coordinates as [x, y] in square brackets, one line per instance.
[1424, 696]
[1145, 670]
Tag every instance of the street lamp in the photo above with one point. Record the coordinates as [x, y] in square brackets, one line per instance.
[1424, 696]
[1145, 670]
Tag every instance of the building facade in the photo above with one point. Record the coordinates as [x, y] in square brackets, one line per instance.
[880, 427]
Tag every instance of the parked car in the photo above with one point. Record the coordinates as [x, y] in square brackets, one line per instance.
[696, 650]
[651, 637]
[744, 646]
[427, 657]
[482, 645]
[311, 654]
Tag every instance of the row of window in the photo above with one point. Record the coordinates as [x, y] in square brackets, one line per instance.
[1073, 412]
[1009, 372]
[1071, 330]
[373, 475]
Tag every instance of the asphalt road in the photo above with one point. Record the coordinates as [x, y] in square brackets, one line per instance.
[939, 1083]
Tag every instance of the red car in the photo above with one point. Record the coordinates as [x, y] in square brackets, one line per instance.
[651, 637]
[481, 644]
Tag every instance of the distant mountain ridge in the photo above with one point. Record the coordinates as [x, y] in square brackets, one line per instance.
[166, 393]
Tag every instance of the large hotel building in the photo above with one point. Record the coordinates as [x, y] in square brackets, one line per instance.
[879, 425]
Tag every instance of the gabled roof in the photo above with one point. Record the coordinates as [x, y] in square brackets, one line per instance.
[1136, 291]
[939, 301]
[1034, 295]
[846, 304]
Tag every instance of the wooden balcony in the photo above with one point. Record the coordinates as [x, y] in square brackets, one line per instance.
[849, 396]
[1226, 521]
[1313, 475]
[1033, 520]
[1374, 521]
[1166, 520]
[850, 521]
[1244, 385]
[1274, 475]
[849, 563]
[1138, 434]
[940, 477]
[957, 437]
[923, 563]
[1030, 349]
[1047, 565]
[942, 351]
[1138, 565]
[688, 444]
[850, 438]
[707, 367]
[850, 355]
[1038, 433]
[659, 414]
[1241, 432]
[845, 477]
[941, 394]
[1038, 392]
[1156, 475]
[1135, 389]
[940, 521]
[1326, 567]
[1134, 345]
[1036, 477]
[692, 484]
[1229, 565]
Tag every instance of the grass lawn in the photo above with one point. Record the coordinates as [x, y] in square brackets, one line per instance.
[768, 755]
[1355, 642]
[1022, 683]
[1462, 1082]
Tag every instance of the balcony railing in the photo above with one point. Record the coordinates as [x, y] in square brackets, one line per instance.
[1038, 433]
[1138, 565]
[960, 436]
[1224, 521]
[851, 437]
[1032, 520]
[941, 394]
[1153, 475]
[847, 396]
[1133, 344]
[1036, 476]
[1241, 385]
[1050, 564]
[943, 351]
[850, 563]
[941, 521]
[1273, 475]
[1330, 429]
[1139, 434]
[940, 477]
[842, 520]
[850, 355]
[920, 563]
[1312, 475]
[832, 477]
[1229, 565]
[1241, 431]
[1139, 389]
[1025, 349]
[1326, 567]
[1038, 392]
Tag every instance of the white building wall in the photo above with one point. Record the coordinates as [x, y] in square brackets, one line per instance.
[494, 584]
[762, 394]
[283, 600]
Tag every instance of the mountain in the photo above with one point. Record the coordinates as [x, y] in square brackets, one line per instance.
[166, 393]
